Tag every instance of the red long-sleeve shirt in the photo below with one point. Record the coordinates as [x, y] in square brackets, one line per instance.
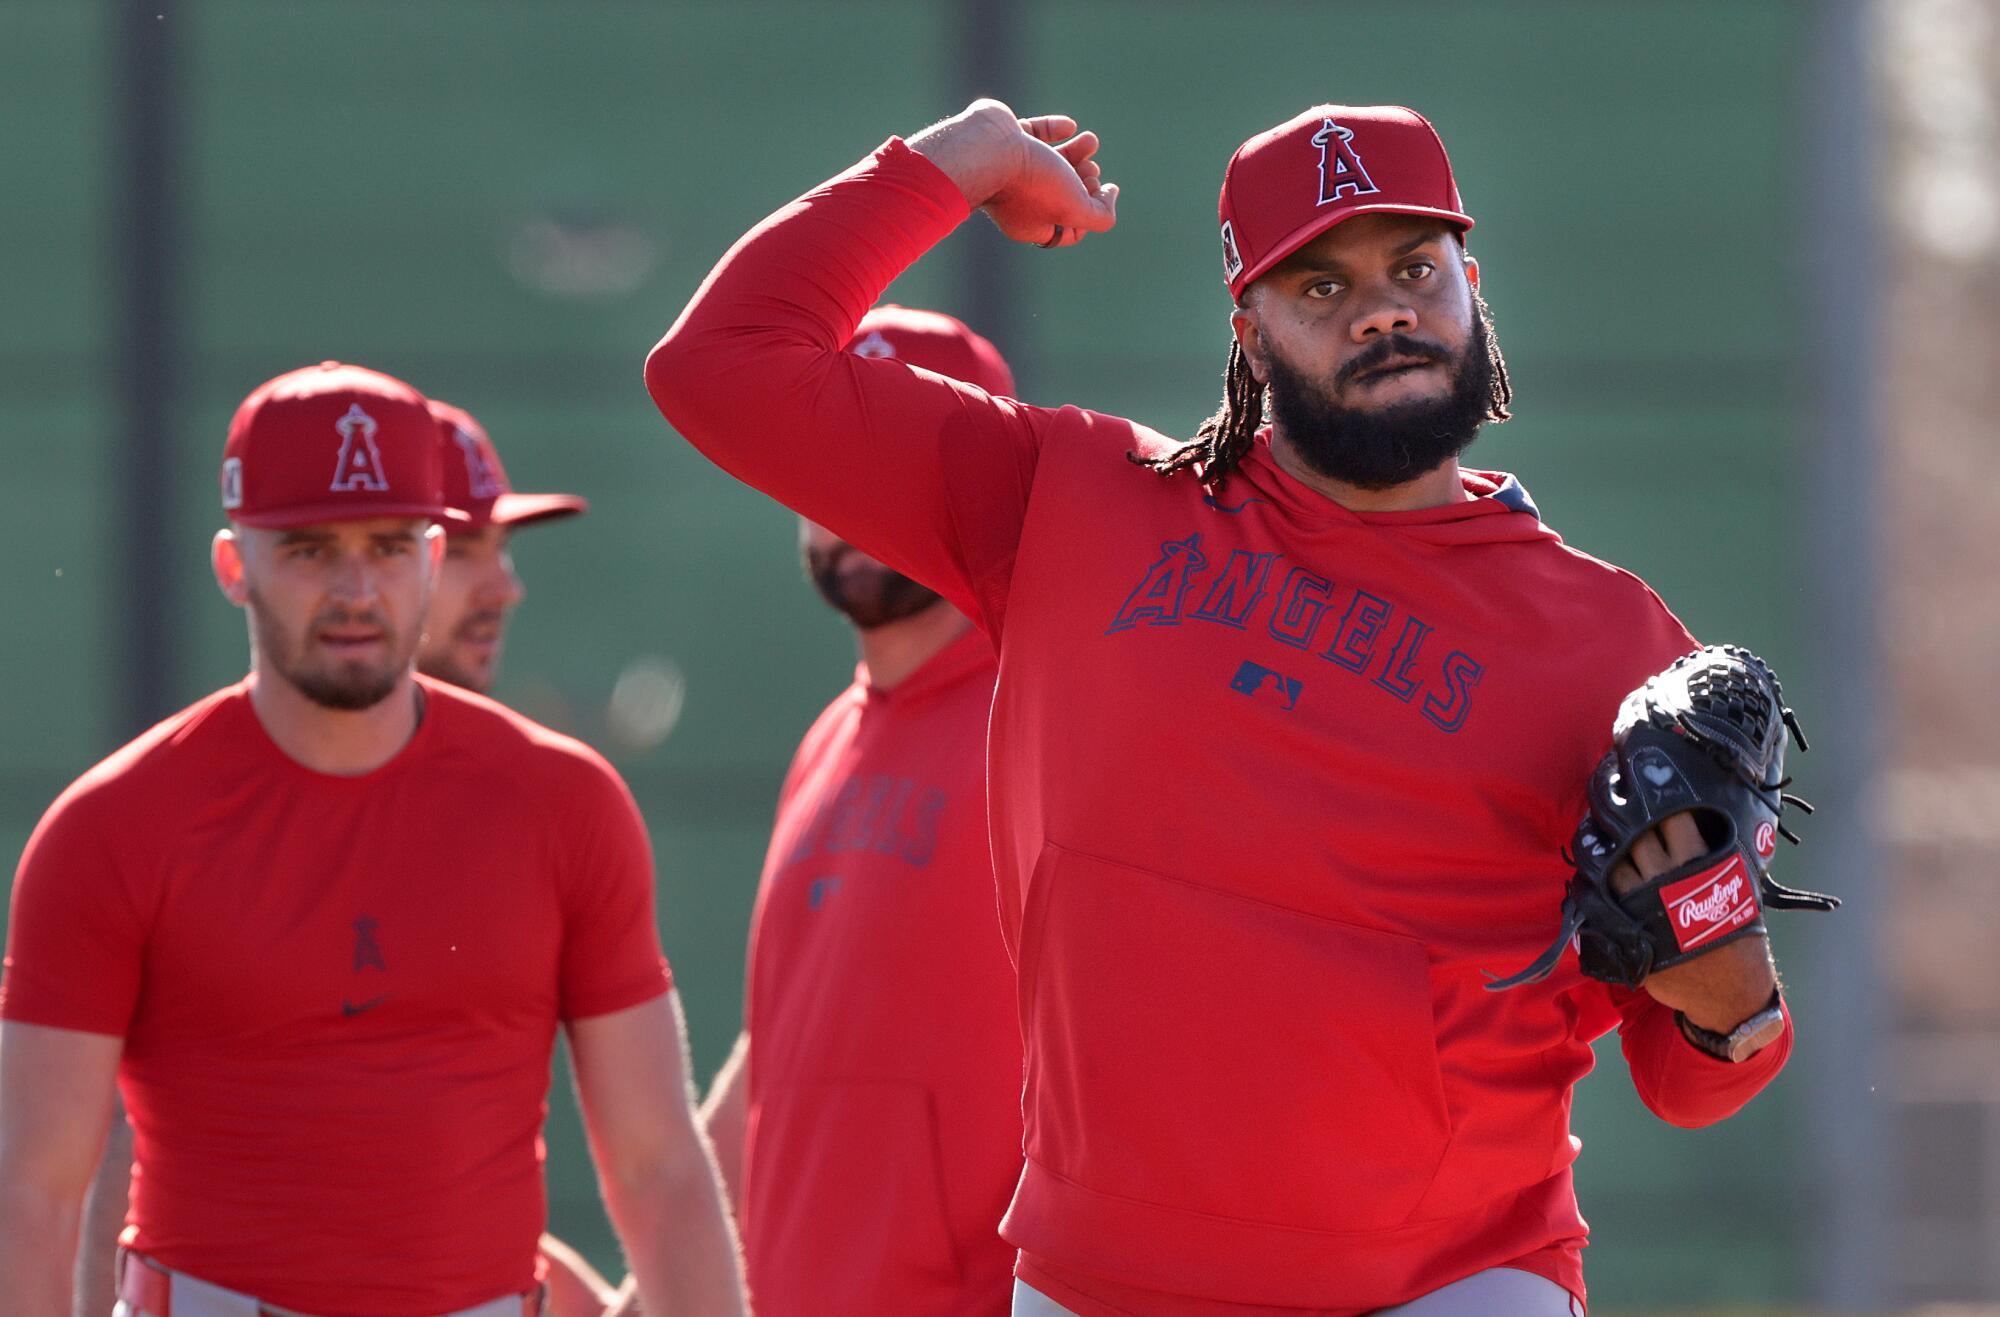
[1271, 782]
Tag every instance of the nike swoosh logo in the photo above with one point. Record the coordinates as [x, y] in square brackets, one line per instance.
[1220, 506]
[349, 1008]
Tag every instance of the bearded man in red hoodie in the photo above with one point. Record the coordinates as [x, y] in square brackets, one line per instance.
[1292, 722]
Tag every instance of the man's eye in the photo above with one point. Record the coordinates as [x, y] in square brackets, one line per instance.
[1420, 270]
[393, 549]
[1325, 288]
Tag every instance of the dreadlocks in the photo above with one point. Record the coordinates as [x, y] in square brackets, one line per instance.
[1219, 444]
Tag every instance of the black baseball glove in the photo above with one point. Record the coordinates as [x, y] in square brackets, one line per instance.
[1706, 736]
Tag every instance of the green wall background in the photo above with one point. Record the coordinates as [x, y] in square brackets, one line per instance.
[360, 180]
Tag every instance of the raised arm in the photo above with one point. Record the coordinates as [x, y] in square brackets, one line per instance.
[658, 1175]
[56, 1093]
[930, 475]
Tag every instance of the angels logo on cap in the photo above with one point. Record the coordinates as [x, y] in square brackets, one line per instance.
[874, 346]
[481, 480]
[1289, 184]
[475, 480]
[359, 465]
[933, 341]
[1339, 166]
[370, 432]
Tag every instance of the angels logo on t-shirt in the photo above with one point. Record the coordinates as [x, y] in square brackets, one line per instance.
[1716, 901]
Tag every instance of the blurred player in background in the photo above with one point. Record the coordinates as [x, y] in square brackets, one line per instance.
[477, 588]
[869, 1120]
[1292, 723]
[332, 1018]
[464, 633]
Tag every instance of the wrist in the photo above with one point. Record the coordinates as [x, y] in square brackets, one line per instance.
[1719, 990]
[1720, 1007]
[1745, 1039]
[978, 149]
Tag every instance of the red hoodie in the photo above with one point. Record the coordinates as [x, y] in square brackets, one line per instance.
[1271, 783]
[885, 1063]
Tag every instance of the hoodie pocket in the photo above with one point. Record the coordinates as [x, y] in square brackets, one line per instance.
[846, 1209]
[1208, 1052]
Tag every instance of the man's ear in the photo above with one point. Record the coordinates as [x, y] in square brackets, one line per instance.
[1472, 272]
[1243, 324]
[225, 555]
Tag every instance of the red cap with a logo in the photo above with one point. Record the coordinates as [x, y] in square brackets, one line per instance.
[935, 342]
[476, 484]
[332, 442]
[1285, 187]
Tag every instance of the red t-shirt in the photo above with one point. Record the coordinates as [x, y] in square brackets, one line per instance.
[885, 1061]
[338, 994]
[1272, 783]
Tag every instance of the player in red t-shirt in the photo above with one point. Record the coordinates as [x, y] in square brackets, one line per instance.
[471, 602]
[321, 927]
[869, 1120]
[1288, 734]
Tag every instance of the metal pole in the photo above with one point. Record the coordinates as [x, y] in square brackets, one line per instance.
[144, 367]
[1844, 1153]
[989, 37]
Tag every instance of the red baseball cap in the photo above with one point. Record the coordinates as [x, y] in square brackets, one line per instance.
[1285, 187]
[935, 342]
[332, 442]
[476, 484]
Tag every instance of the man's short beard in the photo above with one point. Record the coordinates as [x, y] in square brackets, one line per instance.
[869, 597]
[1382, 447]
[349, 694]
[348, 689]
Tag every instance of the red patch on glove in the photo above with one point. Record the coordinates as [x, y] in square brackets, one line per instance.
[1711, 903]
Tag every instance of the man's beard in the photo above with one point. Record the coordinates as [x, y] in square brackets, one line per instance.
[870, 596]
[1381, 447]
[348, 686]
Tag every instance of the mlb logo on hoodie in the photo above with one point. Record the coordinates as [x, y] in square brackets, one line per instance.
[1262, 683]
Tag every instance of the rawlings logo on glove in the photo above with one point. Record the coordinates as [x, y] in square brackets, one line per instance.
[1707, 738]
[1718, 901]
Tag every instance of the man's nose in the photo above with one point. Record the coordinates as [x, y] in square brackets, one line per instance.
[501, 587]
[1388, 315]
[353, 580]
